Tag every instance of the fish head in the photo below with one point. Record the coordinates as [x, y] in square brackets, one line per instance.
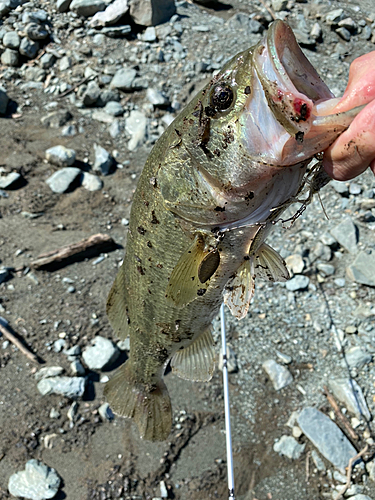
[242, 145]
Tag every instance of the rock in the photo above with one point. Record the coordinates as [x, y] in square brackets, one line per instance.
[151, 13]
[325, 269]
[334, 16]
[278, 5]
[9, 181]
[65, 63]
[59, 345]
[47, 60]
[363, 269]
[91, 182]
[124, 345]
[123, 79]
[344, 33]
[231, 360]
[360, 497]
[289, 447]
[4, 274]
[103, 117]
[298, 282]
[319, 464]
[9, 57]
[61, 156]
[36, 482]
[101, 354]
[114, 108]
[35, 32]
[115, 129]
[136, 126]
[279, 375]
[355, 188]
[63, 180]
[71, 387]
[370, 467]
[11, 40]
[106, 413]
[87, 8]
[4, 99]
[91, 94]
[346, 234]
[73, 352]
[63, 5]
[149, 35]
[284, 358]
[348, 392]
[156, 98]
[48, 371]
[28, 48]
[357, 357]
[107, 96]
[56, 119]
[111, 14]
[69, 131]
[316, 31]
[54, 413]
[295, 263]
[77, 368]
[115, 31]
[103, 160]
[327, 437]
[328, 240]
[340, 187]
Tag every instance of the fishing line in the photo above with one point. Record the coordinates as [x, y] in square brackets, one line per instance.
[228, 434]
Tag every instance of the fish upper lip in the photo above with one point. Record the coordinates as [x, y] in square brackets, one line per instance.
[291, 84]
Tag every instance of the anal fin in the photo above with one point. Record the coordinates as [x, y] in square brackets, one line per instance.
[148, 405]
[197, 361]
[239, 290]
[269, 265]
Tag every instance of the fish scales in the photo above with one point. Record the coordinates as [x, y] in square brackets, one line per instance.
[212, 187]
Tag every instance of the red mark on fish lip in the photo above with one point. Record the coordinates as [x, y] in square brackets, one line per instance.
[280, 95]
[302, 109]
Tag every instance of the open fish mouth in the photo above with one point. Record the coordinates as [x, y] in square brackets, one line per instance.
[285, 83]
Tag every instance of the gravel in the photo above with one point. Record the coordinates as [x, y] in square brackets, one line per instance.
[289, 447]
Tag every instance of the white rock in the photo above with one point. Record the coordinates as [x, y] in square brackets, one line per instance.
[36, 482]
[101, 354]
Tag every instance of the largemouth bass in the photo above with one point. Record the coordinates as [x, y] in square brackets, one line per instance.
[207, 198]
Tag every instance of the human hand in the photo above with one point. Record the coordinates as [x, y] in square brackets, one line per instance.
[354, 150]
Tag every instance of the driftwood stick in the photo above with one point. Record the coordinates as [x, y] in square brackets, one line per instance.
[6, 331]
[89, 247]
[340, 415]
[349, 472]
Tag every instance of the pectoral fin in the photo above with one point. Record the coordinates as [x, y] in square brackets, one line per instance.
[117, 310]
[196, 362]
[269, 265]
[190, 278]
[240, 289]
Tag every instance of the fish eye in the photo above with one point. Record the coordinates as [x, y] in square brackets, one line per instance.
[222, 96]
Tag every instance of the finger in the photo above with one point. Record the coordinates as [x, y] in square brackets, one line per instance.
[361, 85]
[354, 150]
